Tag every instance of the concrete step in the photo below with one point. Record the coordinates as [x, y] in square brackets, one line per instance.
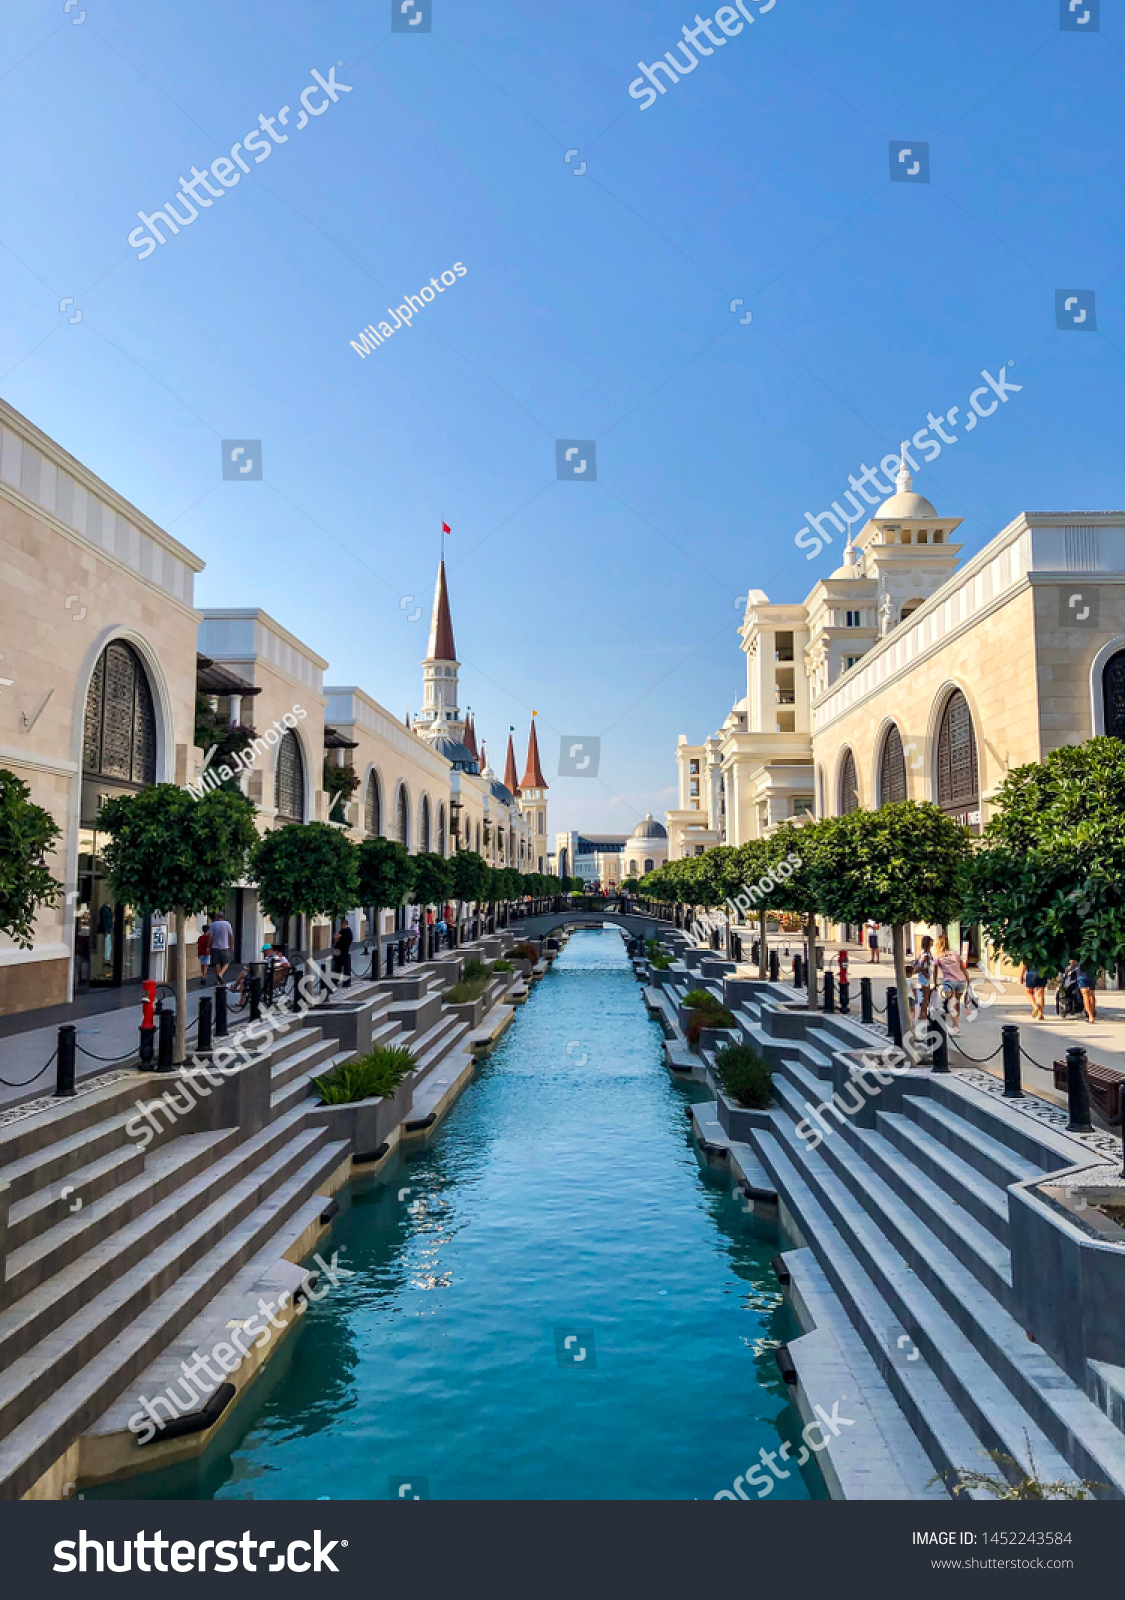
[968, 1188]
[53, 1164]
[966, 1335]
[99, 1324]
[165, 1169]
[29, 1218]
[265, 1200]
[302, 1063]
[993, 1160]
[68, 1118]
[91, 1275]
[295, 1093]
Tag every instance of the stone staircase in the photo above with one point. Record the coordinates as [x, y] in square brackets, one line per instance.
[916, 1219]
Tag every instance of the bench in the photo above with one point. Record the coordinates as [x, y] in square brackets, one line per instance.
[1104, 1084]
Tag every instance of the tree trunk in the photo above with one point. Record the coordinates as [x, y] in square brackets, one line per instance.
[898, 946]
[179, 1054]
[810, 957]
[763, 953]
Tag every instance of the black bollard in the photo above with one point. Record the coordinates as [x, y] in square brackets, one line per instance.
[255, 987]
[1010, 1040]
[65, 1056]
[402, 952]
[844, 996]
[754, 953]
[299, 1001]
[1077, 1095]
[940, 1045]
[894, 1021]
[798, 970]
[829, 992]
[389, 961]
[775, 966]
[144, 1055]
[203, 1033]
[221, 1028]
[167, 1041]
[866, 1012]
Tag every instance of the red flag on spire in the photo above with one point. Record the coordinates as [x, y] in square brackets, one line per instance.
[445, 528]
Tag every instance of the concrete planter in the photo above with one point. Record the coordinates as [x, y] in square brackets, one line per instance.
[736, 1121]
[367, 1124]
[522, 967]
[470, 1011]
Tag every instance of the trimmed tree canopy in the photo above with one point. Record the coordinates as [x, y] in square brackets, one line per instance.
[902, 863]
[1046, 882]
[433, 879]
[306, 869]
[27, 834]
[386, 873]
[170, 852]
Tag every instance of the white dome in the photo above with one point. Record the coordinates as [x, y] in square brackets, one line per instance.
[904, 505]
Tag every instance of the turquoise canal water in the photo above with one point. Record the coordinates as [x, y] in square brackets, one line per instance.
[560, 1199]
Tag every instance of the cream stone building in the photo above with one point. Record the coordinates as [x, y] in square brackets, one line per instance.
[905, 675]
[105, 663]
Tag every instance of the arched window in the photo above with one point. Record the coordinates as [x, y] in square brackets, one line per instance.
[1113, 695]
[958, 781]
[849, 785]
[910, 608]
[649, 865]
[441, 827]
[373, 807]
[424, 830]
[892, 769]
[289, 783]
[403, 818]
[478, 838]
[119, 734]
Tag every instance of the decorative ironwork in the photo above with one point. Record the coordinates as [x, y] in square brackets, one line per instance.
[892, 769]
[849, 785]
[958, 782]
[373, 807]
[119, 732]
[289, 783]
[1113, 695]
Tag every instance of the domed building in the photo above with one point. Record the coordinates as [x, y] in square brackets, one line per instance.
[646, 848]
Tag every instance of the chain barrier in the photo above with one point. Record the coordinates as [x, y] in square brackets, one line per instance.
[976, 1060]
[8, 1084]
[112, 1061]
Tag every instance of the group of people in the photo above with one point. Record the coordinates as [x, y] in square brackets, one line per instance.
[1077, 987]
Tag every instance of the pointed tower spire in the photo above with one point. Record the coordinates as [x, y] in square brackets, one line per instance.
[904, 482]
[470, 738]
[441, 646]
[511, 782]
[533, 773]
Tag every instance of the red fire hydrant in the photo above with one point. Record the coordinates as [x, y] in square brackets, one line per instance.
[148, 1026]
[842, 960]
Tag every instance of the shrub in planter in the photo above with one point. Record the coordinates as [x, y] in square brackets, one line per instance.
[379, 1072]
[701, 1000]
[474, 981]
[744, 1076]
[502, 966]
[710, 1017]
[524, 952]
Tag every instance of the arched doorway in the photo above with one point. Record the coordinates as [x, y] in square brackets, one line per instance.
[441, 827]
[424, 829]
[958, 773]
[1113, 695]
[892, 769]
[849, 785]
[289, 780]
[373, 808]
[403, 818]
[111, 943]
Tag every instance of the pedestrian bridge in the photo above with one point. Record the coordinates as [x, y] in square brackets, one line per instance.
[635, 923]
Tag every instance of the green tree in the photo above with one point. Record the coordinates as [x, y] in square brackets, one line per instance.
[469, 875]
[385, 881]
[791, 862]
[306, 869]
[1045, 883]
[27, 835]
[169, 852]
[754, 859]
[904, 863]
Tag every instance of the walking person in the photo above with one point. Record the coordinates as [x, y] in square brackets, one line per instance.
[1036, 985]
[222, 945]
[203, 951]
[922, 979]
[342, 953]
[873, 940]
[1075, 977]
[954, 980]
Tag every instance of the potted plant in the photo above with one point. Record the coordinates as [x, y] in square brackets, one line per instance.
[365, 1100]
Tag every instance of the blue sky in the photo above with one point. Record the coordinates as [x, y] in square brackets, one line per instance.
[594, 305]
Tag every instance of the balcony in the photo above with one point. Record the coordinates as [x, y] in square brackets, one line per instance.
[785, 697]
